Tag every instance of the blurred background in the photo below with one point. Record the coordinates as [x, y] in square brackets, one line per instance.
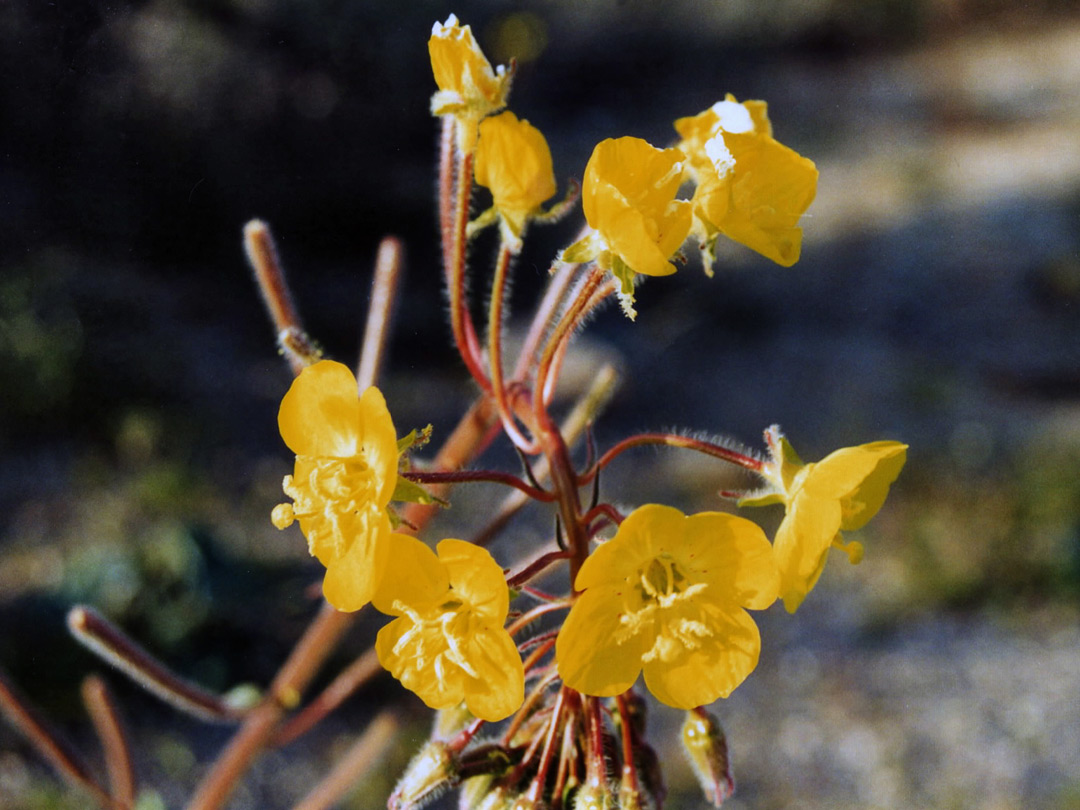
[937, 302]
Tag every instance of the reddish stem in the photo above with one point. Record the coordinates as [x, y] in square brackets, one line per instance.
[472, 476]
[535, 567]
[673, 440]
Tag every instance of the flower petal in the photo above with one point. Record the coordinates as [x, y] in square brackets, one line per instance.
[320, 413]
[801, 544]
[500, 689]
[352, 579]
[397, 653]
[378, 442]
[646, 532]
[413, 576]
[733, 555]
[715, 667]
[595, 653]
[477, 578]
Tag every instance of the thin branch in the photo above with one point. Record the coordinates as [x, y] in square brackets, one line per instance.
[384, 288]
[340, 689]
[114, 745]
[263, 257]
[535, 567]
[51, 747]
[115, 647]
[364, 754]
[584, 411]
[495, 330]
[674, 440]
[473, 476]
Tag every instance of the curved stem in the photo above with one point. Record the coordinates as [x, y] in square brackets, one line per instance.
[602, 510]
[595, 299]
[535, 613]
[674, 440]
[566, 325]
[534, 696]
[535, 567]
[365, 753]
[454, 254]
[536, 789]
[64, 760]
[495, 329]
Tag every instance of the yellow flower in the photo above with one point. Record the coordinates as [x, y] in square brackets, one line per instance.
[514, 162]
[637, 225]
[667, 595]
[448, 643]
[346, 470]
[751, 188]
[839, 493]
[468, 88]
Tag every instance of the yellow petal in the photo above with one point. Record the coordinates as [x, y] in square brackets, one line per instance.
[378, 442]
[867, 498]
[458, 63]
[500, 689]
[320, 413]
[352, 578]
[514, 162]
[397, 653]
[802, 542]
[771, 190]
[413, 576]
[733, 555]
[628, 195]
[594, 652]
[476, 578]
[711, 670]
[645, 533]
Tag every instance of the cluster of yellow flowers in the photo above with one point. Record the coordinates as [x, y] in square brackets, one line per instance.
[749, 187]
[668, 594]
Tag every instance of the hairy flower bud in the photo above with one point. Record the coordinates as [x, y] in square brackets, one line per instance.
[432, 772]
[705, 745]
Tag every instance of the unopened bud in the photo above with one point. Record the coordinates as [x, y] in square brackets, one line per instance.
[526, 801]
[476, 792]
[496, 798]
[593, 796]
[431, 773]
[705, 745]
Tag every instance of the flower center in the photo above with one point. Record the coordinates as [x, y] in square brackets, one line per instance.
[666, 611]
[332, 489]
[435, 641]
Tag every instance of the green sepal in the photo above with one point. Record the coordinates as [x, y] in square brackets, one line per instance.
[625, 275]
[414, 440]
[583, 250]
[761, 499]
[486, 218]
[411, 492]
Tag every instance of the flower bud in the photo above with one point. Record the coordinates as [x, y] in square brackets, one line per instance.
[705, 745]
[594, 796]
[432, 772]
